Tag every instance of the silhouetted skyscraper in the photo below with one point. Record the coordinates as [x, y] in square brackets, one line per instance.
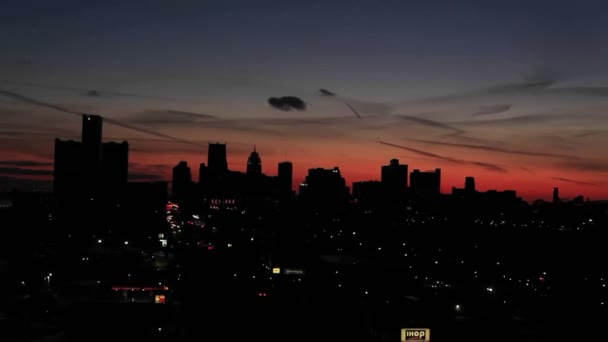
[182, 180]
[469, 185]
[394, 178]
[285, 176]
[91, 150]
[254, 163]
[426, 183]
[115, 165]
[92, 129]
[555, 195]
[216, 158]
[67, 175]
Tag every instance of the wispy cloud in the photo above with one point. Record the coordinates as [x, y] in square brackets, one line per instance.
[430, 123]
[115, 122]
[485, 165]
[585, 165]
[491, 110]
[497, 149]
[142, 176]
[19, 171]
[26, 99]
[169, 117]
[573, 181]
[358, 106]
[88, 91]
[25, 163]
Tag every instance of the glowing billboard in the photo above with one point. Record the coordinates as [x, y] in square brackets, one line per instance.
[415, 334]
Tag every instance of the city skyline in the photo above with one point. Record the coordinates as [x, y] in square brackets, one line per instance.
[507, 94]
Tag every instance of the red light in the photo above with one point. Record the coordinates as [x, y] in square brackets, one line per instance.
[210, 248]
[542, 279]
[262, 294]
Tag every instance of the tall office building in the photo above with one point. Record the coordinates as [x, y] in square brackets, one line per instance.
[394, 177]
[555, 195]
[91, 129]
[469, 185]
[285, 176]
[182, 180]
[216, 158]
[426, 183]
[115, 165]
[67, 168]
[254, 163]
[92, 149]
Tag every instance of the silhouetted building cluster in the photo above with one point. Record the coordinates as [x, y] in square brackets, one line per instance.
[91, 186]
[324, 188]
[90, 168]
[220, 187]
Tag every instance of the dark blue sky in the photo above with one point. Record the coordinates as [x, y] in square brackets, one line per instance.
[225, 58]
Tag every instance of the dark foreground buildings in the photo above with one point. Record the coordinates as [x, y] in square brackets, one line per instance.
[91, 185]
[89, 168]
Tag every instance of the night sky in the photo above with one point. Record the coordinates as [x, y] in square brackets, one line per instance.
[514, 93]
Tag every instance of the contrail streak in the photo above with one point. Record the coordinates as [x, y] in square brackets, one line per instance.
[35, 102]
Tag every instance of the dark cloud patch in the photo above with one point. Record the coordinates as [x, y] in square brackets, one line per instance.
[573, 181]
[497, 149]
[325, 92]
[287, 103]
[448, 159]
[19, 171]
[487, 166]
[25, 163]
[491, 110]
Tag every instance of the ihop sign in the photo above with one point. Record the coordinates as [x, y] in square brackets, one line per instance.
[415, 334]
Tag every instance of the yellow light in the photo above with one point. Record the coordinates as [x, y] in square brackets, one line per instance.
[276, 270]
